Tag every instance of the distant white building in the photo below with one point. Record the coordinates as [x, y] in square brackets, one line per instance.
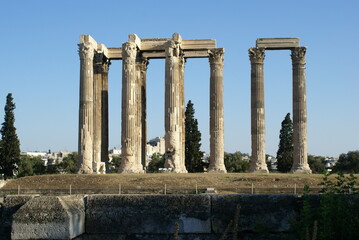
[156, 145]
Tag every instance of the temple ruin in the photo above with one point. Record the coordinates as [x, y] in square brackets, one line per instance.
[135, 55]
[300, 155]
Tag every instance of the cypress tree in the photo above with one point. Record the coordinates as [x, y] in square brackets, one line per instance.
[10, 145]
[193, 154]
[285, 148]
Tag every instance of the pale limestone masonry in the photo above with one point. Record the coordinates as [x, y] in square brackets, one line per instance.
[300, 162]
[258, 162]
[93, 116]
[216, 58]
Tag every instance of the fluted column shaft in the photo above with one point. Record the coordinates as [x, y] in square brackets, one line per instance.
[130, 162]
[173, 115]
[143, 63]
[182, 62]
[97, 110]
[104, 114]
[300, 154]
[85, 146]
[216, 163]
[258, 163]
[141, 67]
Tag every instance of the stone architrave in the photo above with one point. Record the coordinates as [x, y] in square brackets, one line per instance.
[216, 162]
[104, 114]
[258, 163]
[173, 109]
[130, 162]
[98, 60]
[86, 116]
[300, 155]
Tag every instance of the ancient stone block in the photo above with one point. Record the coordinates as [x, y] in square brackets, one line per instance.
[11, 204]
[273, 212]
[50, 217]
[155, 214]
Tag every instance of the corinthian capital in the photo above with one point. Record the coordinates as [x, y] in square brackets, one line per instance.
[298, 55]
[216, 56]
[86, 51]
[256, 55]
[105, 66]
[129, 50]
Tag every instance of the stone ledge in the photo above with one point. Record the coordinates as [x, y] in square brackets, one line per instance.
[273, 211]
[50, 218]
[155, 214]
[11, 205]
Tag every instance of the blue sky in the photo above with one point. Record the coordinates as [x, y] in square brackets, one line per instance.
[40, 66]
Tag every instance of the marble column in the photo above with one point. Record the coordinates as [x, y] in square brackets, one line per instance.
[173, 109]
[104, 114]
[97, 88]
[141, 67]
[182, 62]
[129, 137]
[216, 162]
[258, 162]
[86, 117]
[300, 155]
[143, 63]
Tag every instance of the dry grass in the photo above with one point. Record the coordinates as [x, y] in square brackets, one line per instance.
[172, 181]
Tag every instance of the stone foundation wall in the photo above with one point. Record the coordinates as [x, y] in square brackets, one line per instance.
[194, 217]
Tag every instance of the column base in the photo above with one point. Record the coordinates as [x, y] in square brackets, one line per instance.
[84, 169]
[301, 169]
[217, 169]
[132, 170]
[179, 170]
[259, 168]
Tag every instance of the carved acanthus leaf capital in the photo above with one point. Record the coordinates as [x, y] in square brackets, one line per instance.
[216, 56]
[298, 55]
[86, 51]
[129, 50]
[143, 63]
[256, 55]
[173, 49]
[106, 65]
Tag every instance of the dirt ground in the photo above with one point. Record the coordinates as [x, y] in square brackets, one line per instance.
[172, 181]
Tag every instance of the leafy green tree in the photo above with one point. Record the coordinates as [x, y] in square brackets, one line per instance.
[157, 161]
[25, 168]
[316, 163]
[193, 154]
[285, 148]
[235, 163]
[29, 166]
[348, 162]
[69, 163]
[114, 164]
[10, 144]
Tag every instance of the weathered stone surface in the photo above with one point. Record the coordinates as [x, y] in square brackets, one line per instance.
[10, 205]
[216, 162]
[258, 162]
[300, 153]
[50, 218]
[155, 214]
[174, 106]
[273, 211]
[277, 43]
